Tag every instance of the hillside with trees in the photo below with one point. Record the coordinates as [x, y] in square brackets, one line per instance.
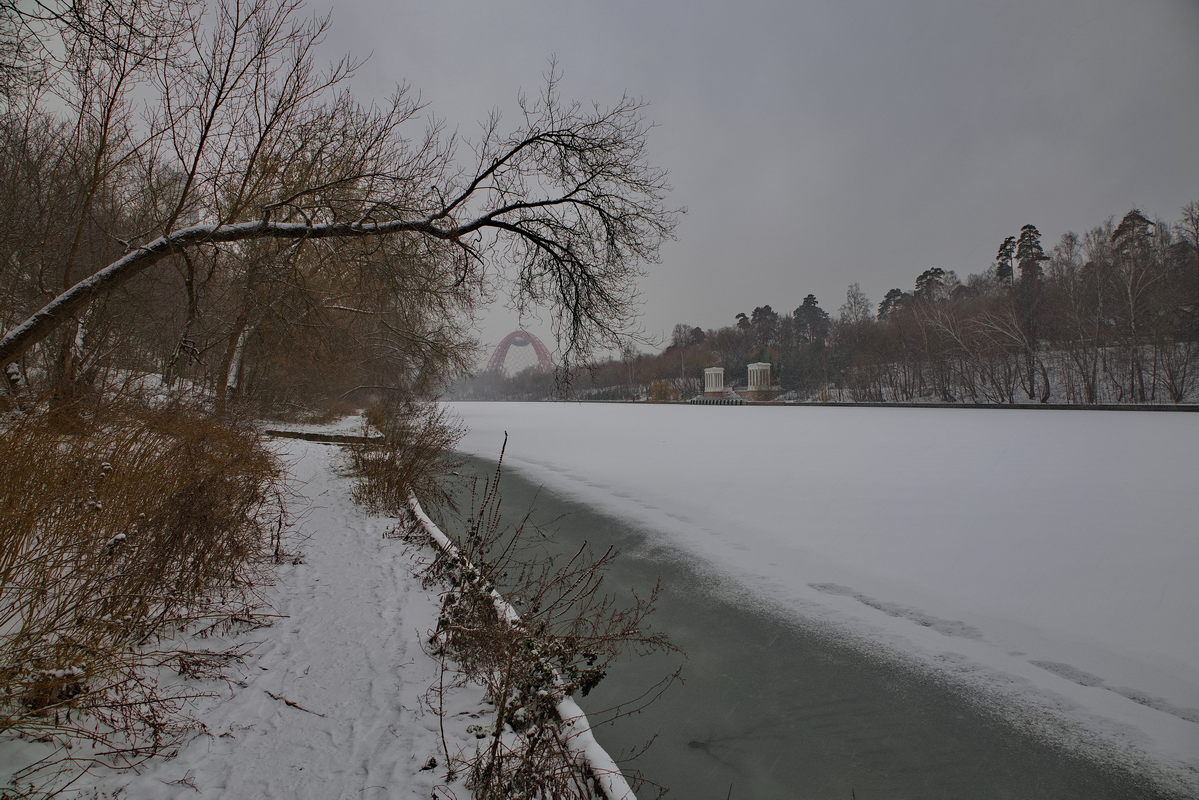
[1109, 316]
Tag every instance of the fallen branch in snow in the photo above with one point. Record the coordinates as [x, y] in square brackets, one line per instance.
[578, 738]
[324, 438]
[291, 703]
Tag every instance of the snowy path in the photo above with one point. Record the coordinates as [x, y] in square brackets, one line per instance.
[347, 654]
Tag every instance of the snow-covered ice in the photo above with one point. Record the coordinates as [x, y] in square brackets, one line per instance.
[1046, 559]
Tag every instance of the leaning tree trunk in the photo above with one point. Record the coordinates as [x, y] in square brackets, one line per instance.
[229, 377]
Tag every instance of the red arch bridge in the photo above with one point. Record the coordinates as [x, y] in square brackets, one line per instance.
[520, 339]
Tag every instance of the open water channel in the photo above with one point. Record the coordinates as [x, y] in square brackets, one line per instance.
[773, 706]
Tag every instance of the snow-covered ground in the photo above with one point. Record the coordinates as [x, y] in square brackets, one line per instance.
[338, 698]
[1047, 559]
[331, 702]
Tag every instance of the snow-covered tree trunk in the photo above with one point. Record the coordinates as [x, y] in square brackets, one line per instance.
[233, 376]
[229, 380]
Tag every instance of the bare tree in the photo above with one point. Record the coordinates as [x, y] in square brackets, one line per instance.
[245, 141]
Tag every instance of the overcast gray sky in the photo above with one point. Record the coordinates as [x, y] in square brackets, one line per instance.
[816, 144]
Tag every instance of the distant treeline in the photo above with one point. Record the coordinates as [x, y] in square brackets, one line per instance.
[1111, 316]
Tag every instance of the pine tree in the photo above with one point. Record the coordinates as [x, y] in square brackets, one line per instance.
[1029, 256]
[930, 284]
[765, 322]
[1004, 258]
[1133, 232]
[811, 321]
[892, 302]
[1029, 253]
[1136, 272]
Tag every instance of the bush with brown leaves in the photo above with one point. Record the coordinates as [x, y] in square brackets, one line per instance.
[113, 535]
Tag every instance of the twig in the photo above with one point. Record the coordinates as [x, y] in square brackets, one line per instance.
[291, 703]
[445, 748]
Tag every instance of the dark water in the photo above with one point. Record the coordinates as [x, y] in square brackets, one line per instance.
[771, 707]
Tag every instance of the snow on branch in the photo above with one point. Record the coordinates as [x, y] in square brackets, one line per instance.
[580, 740]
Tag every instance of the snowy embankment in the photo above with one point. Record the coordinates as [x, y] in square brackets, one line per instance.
[575, 726]
[1044, 559]
[333, 700]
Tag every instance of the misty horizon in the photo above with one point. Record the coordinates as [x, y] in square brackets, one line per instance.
[819, 145]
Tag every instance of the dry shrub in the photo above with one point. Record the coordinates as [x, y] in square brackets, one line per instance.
[135, 526]
[414, 455]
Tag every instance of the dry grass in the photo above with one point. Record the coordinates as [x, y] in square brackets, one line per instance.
[115, 532]
[415, 456]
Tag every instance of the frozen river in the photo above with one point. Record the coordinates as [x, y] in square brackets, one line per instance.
[1030, 568]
